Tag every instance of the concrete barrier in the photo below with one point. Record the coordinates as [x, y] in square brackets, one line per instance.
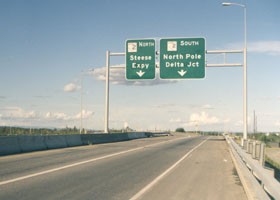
[148, 134]
[73, 140]
[141, 135]
[136, 135]
[9, 145]
[55, 141]
[131, 136]
[28, 143]
[87, 139]
[123, 136]
[103, 138]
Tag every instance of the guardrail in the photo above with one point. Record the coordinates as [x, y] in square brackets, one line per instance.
[255, 148]
[253, 157]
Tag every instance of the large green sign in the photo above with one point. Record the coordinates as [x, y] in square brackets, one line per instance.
[182, 58]
[140, 59]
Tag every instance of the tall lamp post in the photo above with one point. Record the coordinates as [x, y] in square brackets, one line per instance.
[245, 109]
[81, 108]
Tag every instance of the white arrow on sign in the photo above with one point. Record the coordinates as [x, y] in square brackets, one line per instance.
[140, 73]
[182, 72]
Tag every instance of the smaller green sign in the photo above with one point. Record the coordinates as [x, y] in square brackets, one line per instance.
[140, 59]
[182, 58]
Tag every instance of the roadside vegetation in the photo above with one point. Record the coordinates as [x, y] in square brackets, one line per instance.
[272, 164]
[180, 130]
[8, 130]
[272, 137]
[213, 133]
[5, 130]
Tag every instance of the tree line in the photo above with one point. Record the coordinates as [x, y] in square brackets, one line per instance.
[7, 130]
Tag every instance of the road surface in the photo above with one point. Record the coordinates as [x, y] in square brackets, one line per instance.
[174, 167]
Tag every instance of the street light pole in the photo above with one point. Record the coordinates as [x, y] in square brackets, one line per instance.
[81, 110]
[245, 100]
[245, 117]
[106, 124]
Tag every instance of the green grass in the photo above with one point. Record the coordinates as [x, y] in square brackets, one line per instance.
[272, 162]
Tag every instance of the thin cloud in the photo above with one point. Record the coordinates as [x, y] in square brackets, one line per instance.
[41, 96]
[163, 105]
[117, 77]
[194, 106]
[71, 87]
[226, 121]
[57, 116]
[17, 113]
[239, 123]
[85, 114]
[65, 117]
[207, 106]
[266, 47]
[270, 47]
[2, 98]
[178, 120]
[277, 124]
[265, 98]
[203, 118]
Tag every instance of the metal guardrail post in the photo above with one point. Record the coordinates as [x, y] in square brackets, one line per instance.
[251, 147]
[247, 146]
[262, 154]
[254, 150]
[258, 150]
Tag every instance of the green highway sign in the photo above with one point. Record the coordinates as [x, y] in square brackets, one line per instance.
[140, 59]
[182, 58]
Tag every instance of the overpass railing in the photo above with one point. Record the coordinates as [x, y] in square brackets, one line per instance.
[252, 155]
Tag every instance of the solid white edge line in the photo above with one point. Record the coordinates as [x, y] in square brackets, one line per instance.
[83, 162]
[157, 179]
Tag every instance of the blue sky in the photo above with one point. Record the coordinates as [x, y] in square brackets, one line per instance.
[45, 45]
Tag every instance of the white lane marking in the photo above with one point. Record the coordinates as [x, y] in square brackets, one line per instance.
[157, 179]
[83, 162]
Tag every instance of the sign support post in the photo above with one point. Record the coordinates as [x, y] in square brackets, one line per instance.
[106, 128]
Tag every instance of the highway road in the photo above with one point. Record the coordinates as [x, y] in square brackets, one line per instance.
[173, 167]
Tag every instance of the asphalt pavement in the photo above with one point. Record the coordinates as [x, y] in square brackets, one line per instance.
[173, 167]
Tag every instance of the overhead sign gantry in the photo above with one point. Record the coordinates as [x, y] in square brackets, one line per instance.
[180, 58]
